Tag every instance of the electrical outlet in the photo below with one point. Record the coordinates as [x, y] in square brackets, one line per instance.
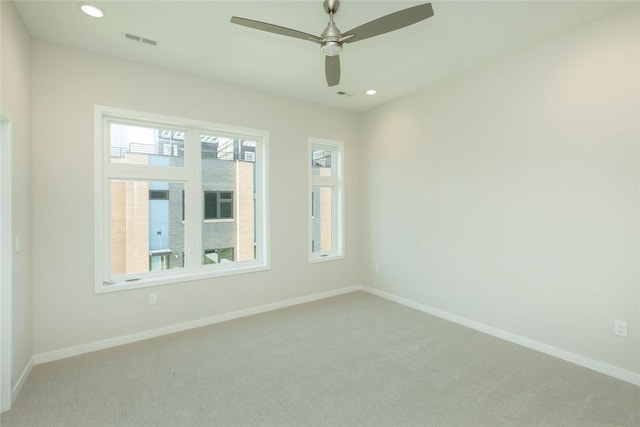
[377, 268]
[620, 328]
[153, 298]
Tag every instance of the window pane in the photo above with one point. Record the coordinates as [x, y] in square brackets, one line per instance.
[322, 219]
[210, 205]
[321, 161]
[139, 145]
[226, 209]
[229, 172]
[147, 234]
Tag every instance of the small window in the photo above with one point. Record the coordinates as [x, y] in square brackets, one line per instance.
[158, 194]
[326, 202]
[159, 260]
[218, 205]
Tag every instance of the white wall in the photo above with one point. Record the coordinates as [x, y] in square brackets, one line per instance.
[66, 85]
[509, 195]
[15, 105]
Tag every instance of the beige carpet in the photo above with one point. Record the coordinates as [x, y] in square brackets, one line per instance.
[352, 360]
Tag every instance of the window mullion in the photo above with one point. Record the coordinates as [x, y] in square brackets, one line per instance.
[193, 201]
[261, 201]
[106, 229]
[335, 211]
[324, 181]
[146, 173]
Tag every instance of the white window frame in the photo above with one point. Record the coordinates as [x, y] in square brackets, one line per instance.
[336, 182]
[190, 175]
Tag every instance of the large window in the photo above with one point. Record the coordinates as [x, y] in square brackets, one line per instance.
[176, 200]
[326, 229]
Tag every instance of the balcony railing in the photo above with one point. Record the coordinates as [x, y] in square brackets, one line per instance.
[171, 150]
[176, 150]
[118, 152]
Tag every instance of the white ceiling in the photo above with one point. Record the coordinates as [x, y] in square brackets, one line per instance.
[196, 37]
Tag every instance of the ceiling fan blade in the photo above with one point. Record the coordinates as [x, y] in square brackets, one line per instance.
[393, 21]
[258, 25]
[332, 69]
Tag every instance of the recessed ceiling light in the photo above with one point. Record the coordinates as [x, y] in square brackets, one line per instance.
[371, 92]
[90, 10]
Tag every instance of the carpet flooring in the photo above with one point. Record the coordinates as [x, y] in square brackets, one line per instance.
[352, 360]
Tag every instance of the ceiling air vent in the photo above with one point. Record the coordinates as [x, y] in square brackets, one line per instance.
[135, 38]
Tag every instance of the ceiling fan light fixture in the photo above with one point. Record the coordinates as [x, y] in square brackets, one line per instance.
[331, 48]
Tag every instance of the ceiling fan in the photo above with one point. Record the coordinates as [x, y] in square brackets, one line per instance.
[331, 39]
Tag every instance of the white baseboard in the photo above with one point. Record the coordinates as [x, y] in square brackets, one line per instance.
[577, 359]
[595, 365]
[23, 378]
[171, 329]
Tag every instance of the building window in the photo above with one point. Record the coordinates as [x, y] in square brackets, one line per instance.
[150, 225]
[217, 256]
[326, 205]
[159, 260]
[158, 194]
[218, 205]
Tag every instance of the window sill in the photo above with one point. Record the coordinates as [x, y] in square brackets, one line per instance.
[213, 221]
[175, 278]
[325, 258]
